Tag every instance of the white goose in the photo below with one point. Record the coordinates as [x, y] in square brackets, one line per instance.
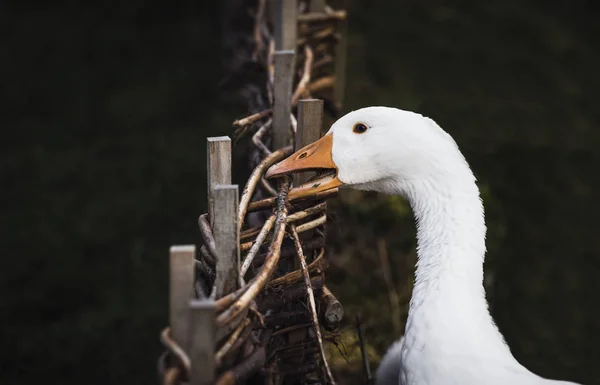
[450, 337]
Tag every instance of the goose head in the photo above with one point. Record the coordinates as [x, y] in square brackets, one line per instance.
[377, 149]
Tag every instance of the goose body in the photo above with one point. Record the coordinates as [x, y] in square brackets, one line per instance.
[450, 336]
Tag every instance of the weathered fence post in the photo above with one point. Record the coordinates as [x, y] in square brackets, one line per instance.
[286, 26]
[310, 120]
[282, 95]
[202, 341]
[286, 29]
[227, 235]
[218, 154]
[181, 280]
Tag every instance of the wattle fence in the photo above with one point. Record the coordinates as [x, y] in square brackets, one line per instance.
[251, 304]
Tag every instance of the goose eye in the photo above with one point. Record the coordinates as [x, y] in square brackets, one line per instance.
[359, 128]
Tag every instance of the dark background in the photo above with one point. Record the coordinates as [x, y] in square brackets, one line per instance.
[105, 111]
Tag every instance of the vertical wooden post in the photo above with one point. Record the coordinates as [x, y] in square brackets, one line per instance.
[202, 342]
[282, 93]
[227, 236]
[286, 25]
[339, 87]
[310, 121]
[218, 153]
[181, 280]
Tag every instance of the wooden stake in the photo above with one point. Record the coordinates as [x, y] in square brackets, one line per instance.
[181, 280]
[202, 342]
[282, 93]
[227, 236]
[286, 24]
[310, 121]
[218, 152]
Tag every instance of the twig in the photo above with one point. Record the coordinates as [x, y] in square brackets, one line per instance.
[317, 16]
[224, 302]
[207, 256]
[259, 317]
[312, 224]
[321, 48]
[287, 252]
[255, 178]
[171, 376]
[271, 69]
[301, 228]
[230, 341]
[198, 287]
[324, 33]
[318, 34]
[243, 338]
[248, 366]
[311, 300]
[296, 275]
[267, 186]
[363, 351]
[275, 299]
[251, 119]
[320, 84]
[258, 22]
[291, 328]
[207, 235]
[257, 244]
[249, 233]
[308, 29]
[302, 84]
[294, 123]
[207, 273]
[169, 343]
[257, 137]
[307, 212]
[268, 202]
[326, 59]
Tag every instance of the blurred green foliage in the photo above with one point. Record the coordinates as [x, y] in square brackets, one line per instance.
[106, 110]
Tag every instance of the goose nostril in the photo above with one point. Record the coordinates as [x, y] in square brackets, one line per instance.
[303, 155]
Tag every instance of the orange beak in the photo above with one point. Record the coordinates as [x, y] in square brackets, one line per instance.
[314, 157]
